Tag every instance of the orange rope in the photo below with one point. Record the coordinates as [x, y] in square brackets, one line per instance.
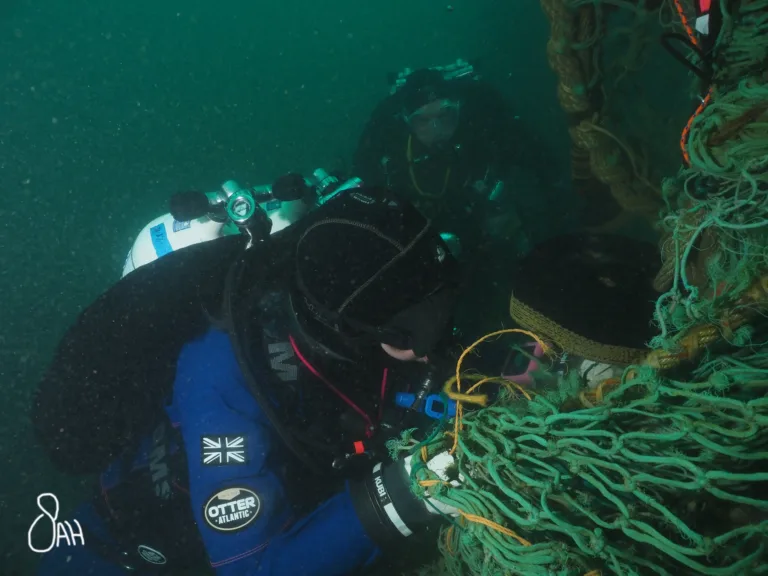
[604, 383]
[600, 390]
[707, 98]
[684, 22]
[498, 527]
[687, 129]
[448, 534]
[428, 483]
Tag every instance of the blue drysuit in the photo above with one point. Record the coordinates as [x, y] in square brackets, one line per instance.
[235, 488]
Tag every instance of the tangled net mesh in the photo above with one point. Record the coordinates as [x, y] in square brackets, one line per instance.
[664, 470]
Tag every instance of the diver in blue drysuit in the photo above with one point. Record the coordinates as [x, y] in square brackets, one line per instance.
[264, 455]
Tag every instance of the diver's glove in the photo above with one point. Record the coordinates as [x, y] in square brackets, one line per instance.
[389, 510]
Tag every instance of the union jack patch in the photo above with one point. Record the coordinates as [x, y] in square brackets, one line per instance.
[223, 450]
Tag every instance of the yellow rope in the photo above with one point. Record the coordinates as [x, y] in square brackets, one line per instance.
[409, 154]
[493, 525]
[480, 399]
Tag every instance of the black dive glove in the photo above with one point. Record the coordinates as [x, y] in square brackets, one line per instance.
[387, 508]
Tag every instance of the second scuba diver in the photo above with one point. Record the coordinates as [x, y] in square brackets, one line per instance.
[457, 152]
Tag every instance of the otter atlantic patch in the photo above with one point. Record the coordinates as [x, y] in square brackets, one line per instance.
[231, 509]
[151, 555]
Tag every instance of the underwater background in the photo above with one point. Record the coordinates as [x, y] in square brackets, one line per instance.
[107, 108]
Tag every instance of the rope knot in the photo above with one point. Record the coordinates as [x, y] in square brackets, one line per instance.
[707, 546]
[720, 381]
[597, 541]
[534, 516]
[552, 447]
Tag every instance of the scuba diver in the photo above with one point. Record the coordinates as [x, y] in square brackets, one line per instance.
[448, 140]
[235, 399]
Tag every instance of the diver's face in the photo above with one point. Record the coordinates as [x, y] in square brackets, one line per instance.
[436, 122]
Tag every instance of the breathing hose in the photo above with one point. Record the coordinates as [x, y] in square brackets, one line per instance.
[244, 360]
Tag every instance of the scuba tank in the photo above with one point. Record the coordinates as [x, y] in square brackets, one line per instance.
[196, 217]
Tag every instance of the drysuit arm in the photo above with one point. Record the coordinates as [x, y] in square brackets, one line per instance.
[236, 489]
[328, 542]
[349, 531]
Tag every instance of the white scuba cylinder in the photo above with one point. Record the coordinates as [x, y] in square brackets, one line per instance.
[165, 234]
